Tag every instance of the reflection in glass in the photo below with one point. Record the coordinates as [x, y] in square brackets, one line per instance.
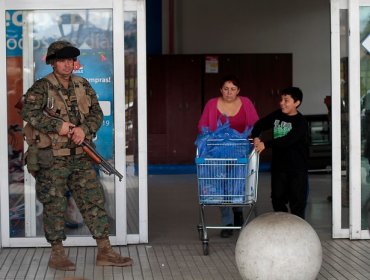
[15, 143]
[344, 116]
[91, 32]
[14, 72]
[365, 114]
[131, 124]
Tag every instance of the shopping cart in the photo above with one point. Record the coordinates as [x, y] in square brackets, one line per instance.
[230, 181]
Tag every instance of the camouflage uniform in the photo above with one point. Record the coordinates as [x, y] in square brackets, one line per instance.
[74, 172]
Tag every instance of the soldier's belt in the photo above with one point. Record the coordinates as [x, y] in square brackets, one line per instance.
[68, 152]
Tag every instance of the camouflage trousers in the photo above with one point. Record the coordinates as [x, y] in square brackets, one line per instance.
[76, 174]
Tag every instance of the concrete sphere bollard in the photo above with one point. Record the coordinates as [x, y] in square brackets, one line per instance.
[277, 246]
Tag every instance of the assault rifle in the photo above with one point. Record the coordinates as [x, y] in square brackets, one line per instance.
[107, 168]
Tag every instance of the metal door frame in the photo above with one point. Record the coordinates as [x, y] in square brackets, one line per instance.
[118, 7]
[354, 231]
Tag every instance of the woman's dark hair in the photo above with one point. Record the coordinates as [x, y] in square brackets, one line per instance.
[230, 78]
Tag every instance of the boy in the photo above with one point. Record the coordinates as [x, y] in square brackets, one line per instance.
[289, 174]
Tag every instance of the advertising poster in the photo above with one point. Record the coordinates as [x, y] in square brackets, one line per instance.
[14, 86]
[211, 64]
[91, 32]
[14, 79]
[95, 66]
[92, 35]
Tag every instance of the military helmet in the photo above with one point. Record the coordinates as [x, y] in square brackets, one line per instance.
[61, 49]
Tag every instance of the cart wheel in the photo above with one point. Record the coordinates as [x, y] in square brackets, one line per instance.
[200, 232]
[205, 248]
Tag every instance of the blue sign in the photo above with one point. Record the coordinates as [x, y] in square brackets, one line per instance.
[94, 63]
[95, 66]
[14, 40]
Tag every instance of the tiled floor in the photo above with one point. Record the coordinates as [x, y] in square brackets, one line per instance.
[174, 250]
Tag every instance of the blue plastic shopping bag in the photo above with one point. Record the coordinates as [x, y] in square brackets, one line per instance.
[222, 143]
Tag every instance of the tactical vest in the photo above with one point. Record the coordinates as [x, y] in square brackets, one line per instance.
[59, 106]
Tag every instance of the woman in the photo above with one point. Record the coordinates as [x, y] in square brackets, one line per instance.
[241, 115]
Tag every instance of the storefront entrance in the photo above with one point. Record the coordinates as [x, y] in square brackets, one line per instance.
[111, 38]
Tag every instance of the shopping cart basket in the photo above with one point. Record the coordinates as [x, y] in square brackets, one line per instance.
[229, 181]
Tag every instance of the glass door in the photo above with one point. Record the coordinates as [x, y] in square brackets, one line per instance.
[339, 107]
[135, 122]
[97, 29]
[363, 45]
[351, 116]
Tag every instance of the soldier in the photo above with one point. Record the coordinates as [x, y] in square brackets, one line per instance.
[61, 111]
